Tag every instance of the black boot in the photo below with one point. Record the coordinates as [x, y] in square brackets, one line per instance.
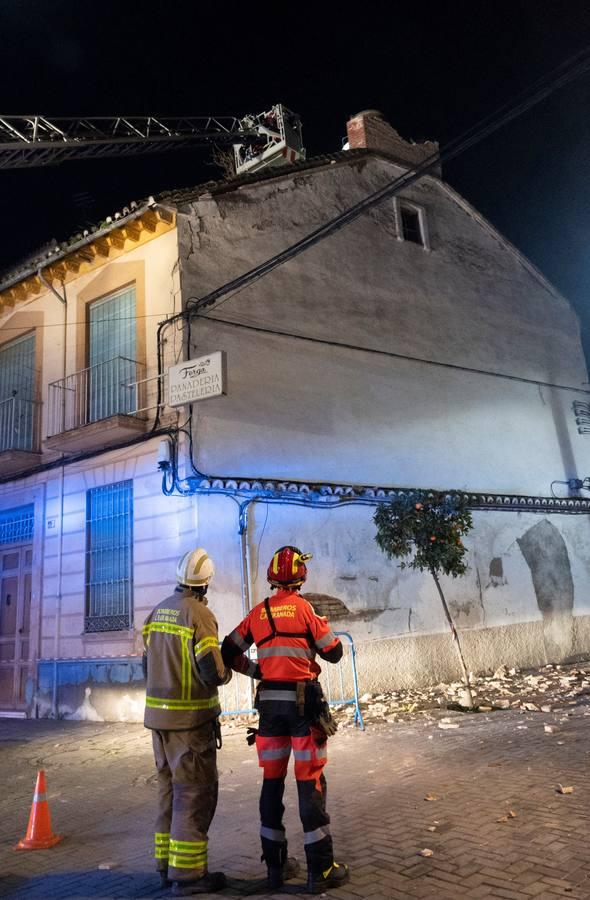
[335, 876]
[277, 875]
[208, 884]
[164, 880]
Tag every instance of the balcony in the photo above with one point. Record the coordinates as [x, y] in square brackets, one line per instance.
[97, 407]
[19, 434]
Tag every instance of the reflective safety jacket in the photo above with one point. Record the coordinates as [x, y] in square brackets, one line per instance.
[184, 664]
[287, 641]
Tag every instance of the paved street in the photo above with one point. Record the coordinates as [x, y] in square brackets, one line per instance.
[102, 793]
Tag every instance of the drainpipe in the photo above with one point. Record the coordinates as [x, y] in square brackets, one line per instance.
[50, 287]
[245, 569]
[62, 299]
[245, 555]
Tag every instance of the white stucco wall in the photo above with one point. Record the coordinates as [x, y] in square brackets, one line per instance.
[467, 312]
[163, 529]
[394, 615]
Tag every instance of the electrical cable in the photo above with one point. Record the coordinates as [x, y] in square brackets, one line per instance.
[157, 315]
[553, 494]
[418, 359]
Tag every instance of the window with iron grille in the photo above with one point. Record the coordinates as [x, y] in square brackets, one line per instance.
[16, 525]
[17, 394]
[109, 557]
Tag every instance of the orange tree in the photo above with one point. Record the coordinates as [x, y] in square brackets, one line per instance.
[424, 529]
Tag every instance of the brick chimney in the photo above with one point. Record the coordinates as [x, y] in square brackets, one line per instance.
[368, 129]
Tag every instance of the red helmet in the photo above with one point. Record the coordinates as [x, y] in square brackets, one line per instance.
[287, 567]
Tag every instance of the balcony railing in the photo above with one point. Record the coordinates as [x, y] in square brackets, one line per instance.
[19, 421]
[112, 388]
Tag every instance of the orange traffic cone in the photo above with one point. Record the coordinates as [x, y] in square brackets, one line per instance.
[39, 835]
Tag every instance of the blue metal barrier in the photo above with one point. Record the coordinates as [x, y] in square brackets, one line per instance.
[328, 677]
[237, 698]
[238, 695]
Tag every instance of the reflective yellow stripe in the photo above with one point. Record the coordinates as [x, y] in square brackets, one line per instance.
[189, 845]
[275, 564]
[177, 862]
[163, 703]
[162, 842]
[166, 628]
[206, 644]
[188, 854]
[186, 670]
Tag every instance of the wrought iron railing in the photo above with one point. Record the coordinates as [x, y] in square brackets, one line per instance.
[114, 387]
[19, 424]
[96, 624]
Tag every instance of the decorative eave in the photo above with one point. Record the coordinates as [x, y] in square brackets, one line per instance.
[119, 234]
[336, 495]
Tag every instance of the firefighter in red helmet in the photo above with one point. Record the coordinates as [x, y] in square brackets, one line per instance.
[293, 715]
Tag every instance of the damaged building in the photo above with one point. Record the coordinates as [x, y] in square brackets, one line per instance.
[414, 348]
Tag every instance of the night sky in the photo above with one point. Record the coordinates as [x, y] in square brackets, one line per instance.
[433, 73]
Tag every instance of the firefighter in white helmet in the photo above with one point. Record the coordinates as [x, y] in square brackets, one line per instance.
[183, 667]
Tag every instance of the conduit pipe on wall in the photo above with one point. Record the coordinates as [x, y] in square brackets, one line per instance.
[243, 522]
[54, 701]
[245, 567]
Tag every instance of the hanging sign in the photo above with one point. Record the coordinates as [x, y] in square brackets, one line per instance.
[197, 379]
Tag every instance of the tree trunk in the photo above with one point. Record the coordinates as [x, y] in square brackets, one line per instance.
[455, 638]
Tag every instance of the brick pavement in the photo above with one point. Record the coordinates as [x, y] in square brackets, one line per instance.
[102, 794]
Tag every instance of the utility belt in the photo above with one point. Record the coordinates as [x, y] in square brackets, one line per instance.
[308, 697]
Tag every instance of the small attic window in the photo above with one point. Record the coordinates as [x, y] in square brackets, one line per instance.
[411, 224]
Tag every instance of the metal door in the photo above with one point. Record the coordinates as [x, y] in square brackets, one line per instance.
[15, 608]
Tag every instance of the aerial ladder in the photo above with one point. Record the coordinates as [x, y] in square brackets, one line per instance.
[269, 138]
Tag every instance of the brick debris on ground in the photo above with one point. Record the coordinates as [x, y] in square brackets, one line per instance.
[495, 821]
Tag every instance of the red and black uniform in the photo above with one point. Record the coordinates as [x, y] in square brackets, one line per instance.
[288, 635]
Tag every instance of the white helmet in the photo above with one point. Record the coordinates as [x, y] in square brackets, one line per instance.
[195, 568]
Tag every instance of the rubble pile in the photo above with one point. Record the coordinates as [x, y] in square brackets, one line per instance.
[550, 689]
[543, 690]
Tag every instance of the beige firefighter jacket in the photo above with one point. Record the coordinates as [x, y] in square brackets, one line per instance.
[184, 664]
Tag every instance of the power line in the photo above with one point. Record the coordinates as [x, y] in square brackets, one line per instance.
[159, 315]
[393, 355]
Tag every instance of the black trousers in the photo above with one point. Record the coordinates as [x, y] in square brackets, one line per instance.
[282, 729]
